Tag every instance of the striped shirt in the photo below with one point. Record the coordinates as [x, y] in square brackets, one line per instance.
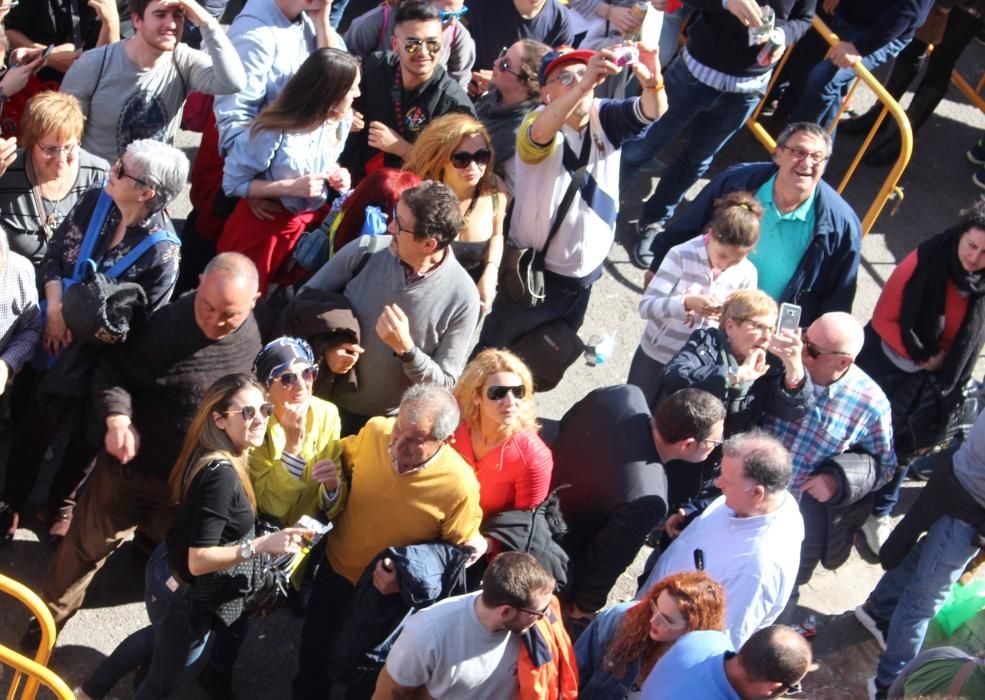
[20, 316]
[851, 414]
[723, 82]
[685, 270]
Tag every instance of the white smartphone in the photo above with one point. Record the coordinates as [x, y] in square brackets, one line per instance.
[789, 319]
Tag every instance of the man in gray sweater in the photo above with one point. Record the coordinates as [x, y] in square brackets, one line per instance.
[416, 306]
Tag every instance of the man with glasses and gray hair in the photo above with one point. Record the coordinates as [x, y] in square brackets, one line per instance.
[810, 239]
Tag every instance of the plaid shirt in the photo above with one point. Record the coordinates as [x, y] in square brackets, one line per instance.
[20, 316]
[852, 413]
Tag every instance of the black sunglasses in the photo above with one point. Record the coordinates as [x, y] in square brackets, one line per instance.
[498, 393]
[504, 65]
[122, 173]
[413, 45]
[540, 614]
[815, 352]
[289, 379]
[461, 159]
[250, 412]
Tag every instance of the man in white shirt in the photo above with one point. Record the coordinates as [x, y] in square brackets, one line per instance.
[467, 647]
[748, 539]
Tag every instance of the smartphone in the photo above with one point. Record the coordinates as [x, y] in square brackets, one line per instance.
[789, 319]
[47, 51]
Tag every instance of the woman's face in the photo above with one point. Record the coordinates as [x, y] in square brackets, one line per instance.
[126, 183]
[499, 404]
[244, 431]
[345, 104]
[971, 250]
[748, 334]
[293, 385]
[667, 622]
[506, 69]
[472, 172]
[54, 155]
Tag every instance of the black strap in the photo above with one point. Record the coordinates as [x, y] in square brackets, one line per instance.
[569, 196]
[99, 76]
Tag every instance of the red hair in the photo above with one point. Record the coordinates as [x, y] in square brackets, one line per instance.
[381, 188]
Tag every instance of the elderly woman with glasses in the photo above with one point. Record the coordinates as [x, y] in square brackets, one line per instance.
[498, 433]
[120, 216]
[455, 149]
[294, 470]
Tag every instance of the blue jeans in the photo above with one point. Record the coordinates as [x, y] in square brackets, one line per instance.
[335, 15]
[912, 593]
[713, 116]
[174, 639]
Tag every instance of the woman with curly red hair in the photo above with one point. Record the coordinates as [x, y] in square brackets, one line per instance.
[617, 651]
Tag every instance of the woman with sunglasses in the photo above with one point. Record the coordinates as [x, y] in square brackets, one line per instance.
[124, 213]
[620, 647]
[213, 531]
[455, 149]
[290, 162]
[294, 470]
[498, 433]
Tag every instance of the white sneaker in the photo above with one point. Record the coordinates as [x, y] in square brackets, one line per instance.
[871, 625]
[80, 694]
[876, 531]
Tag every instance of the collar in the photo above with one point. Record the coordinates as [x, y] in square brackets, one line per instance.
[410, 276]
[801, 213]
[420, 467]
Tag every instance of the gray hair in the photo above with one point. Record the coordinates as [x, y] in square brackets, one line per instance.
[764, 459]
[235, 266]
[810, 128]
[430, 401]
[164, 167]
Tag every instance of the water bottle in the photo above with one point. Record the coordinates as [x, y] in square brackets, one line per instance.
[599, 348]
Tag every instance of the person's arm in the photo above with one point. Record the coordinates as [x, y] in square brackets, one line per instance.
[895, 21]
[363, 35]
[389, 689]
[549, 120]
[216, 71]
[838, 277]
[235, 112]
[160, 275]
[80, 80]
[798, 22]
[886, 315]
[489, 281]
[696, 365]
[461, 56]
[663, 299]
[109, 21]
[446, 363]
[27, 328]
[534, 480]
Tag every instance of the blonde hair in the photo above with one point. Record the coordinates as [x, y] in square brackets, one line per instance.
[474, 375]
[51, 112]
[431, 153]
[747, 303]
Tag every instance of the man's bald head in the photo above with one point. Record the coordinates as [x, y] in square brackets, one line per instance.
[227, 291]
[772, 659]
[840, 331]
[234, 266]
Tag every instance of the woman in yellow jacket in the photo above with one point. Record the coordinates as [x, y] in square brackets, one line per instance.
[294, 472]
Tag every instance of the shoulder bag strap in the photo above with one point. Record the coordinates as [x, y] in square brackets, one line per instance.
[130, 258]
[96, 221]
[569, 196]
[963, 674]
[386, 21]
[99, 76]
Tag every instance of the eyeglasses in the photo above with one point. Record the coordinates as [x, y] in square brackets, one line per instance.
[713, 443]
[400, 229]
[121, 173]
[667, 622]
[250, 412]
[761, 328]
[815, 352]
[539, 614]
[413, 45]
[568, 78]
[504, 65]
[449, 16]
[462, 159]
[289, 379]
[52, 152]
[800, 154]
[498, 393]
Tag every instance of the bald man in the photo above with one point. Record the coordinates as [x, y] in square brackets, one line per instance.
[843, 449]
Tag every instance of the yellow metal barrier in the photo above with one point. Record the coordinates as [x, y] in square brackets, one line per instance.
[36, 670]
[891, 107]
[974, 94]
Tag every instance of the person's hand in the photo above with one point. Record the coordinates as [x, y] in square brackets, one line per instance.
[600, 66]
[4, 376]
[933, 363]
[291, 417]
[106, 10]
[263, 208]
[487, 287]
[479, 545]
[703, 304]
[385, 578]
[830, 5]
[339, 179]
[307, 186]
[8, 153]
[648, 277]
[341, 358]
[674, 524]
[747, 12]
[753, 368]
[290, 540]
[57, 336]
[822, 487]
[624, 19]
[789, 347]
[15, 79]
[479, 84]
[844, 54]
[358, 121]
[194, 12]
[394, 329]
[326, 473]
[383, 138]
[122, 439]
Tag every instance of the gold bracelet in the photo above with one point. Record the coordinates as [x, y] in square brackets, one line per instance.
[656, 87]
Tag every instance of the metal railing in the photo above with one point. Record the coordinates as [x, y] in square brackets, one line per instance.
[889, 187]
[974, 94]
[35, 670]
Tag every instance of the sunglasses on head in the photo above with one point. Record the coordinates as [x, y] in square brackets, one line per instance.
[448, 16]
[498, 393]
[461, 159]
[250, 412]
[413, 45]
[289, 379]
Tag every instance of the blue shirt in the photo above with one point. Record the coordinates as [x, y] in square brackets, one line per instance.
[694, 667]
[783, 240]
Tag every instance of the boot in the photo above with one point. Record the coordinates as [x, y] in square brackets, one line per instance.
[886, 150]
[905, 69]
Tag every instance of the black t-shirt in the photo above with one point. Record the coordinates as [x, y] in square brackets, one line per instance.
[214, 511]
[496, 24]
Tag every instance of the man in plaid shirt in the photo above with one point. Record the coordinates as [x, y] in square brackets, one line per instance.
[852, 415]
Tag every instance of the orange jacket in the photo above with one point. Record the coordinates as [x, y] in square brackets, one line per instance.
[546, 668]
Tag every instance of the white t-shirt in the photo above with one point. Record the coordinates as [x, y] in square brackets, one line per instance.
[446, 649]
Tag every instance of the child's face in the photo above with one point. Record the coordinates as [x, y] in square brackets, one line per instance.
[724, 256]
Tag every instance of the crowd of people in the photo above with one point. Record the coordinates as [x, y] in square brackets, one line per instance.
[321, 391]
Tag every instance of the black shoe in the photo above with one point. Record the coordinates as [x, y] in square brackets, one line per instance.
[31, 639]
[218, 685]
[642, 255]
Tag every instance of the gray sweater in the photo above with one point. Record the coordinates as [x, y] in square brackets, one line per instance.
[443, 310]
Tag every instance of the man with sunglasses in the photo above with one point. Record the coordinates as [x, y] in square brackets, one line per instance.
[146, 392]
[810, 240]
[467, 647]
[403, 90]
[499, 23]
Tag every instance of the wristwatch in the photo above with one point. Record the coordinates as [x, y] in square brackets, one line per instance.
[246, 550]
[408, 356]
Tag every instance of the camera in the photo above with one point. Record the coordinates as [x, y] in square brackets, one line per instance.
[626, 55]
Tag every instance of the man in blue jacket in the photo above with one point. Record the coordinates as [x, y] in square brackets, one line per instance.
[810, 238]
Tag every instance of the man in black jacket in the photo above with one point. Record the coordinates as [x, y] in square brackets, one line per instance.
[147, 392]
[611, 452]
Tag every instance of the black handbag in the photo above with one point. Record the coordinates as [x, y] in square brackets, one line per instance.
[548, 350]
[521, 273]
[925, 419]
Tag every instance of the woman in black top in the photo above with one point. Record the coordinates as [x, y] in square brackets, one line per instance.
[212, 529]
